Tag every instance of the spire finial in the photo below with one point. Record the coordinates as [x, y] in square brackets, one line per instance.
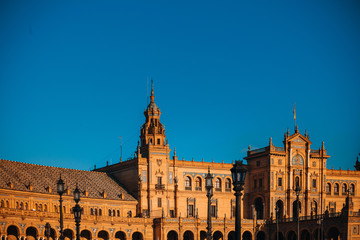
[270, 141]
[323, 145]
[297, 129]
[152, 92]
[174, 151]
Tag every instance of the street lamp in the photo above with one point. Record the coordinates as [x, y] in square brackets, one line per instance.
[77, 211]
[238, 172]
[209, 193]
[61, 190]
[47, 230]
[297, 190]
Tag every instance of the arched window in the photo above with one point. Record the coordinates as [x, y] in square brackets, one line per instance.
[114, 213]
[17, 205]
[198, 184]
[336, 189]
[227, 185]
[109, 212]
[100, 212]
[352, 189]
[45, 208]
[26, 206]
[2, 203]
[36, 207]
[91, 211]
[118, 213]
[328, 188]
[344, 189]
[218, 184]
[187, 183]
[21, 205]
[96, 212]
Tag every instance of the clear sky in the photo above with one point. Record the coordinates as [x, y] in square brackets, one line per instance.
[73, 77]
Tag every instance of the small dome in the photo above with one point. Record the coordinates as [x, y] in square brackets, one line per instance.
[153, 107]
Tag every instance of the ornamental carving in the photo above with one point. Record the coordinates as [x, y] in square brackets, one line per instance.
[297, 160]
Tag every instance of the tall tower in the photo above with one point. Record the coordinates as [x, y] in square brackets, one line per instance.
[154, 163]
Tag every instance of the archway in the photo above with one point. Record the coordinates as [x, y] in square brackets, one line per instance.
[172, 235]
[103, 235]
[231, 235]
[259, 208]
[295, 212]
[68, 234]
[203, 235]
[31, 233]
[305, 235]
[317, 235]
[246, 235]
[52, 234]
[291, 235]
[217, 235]
[280, 234]
[260, 236]
[137, 236]
[279, 210]
[333, 234]
[188, 235]
[120, 235]
[85, 235]
[12, 233]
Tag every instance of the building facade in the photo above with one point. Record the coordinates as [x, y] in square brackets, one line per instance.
[155, 195]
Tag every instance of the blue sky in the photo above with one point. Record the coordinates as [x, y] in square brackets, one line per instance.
[73, 77]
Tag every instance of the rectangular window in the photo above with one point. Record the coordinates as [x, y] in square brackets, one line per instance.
[172, 213]
[144, 177]
[279, 182]
[254, 183]
[159, 180]
[232, 211]
[190, 210]
[159, 202]
[171, 177]
[213, 211]
[314, 183]
[260, 183]
[258, 163]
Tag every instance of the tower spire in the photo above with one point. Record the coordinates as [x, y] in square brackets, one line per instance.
[152, 92]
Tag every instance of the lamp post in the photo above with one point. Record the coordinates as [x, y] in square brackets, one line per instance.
[61, 190]
[77, 211]
[297, 190]
[209, 193]
[238, 172]
[47, 230]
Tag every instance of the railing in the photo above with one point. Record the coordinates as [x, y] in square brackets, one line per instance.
[218, 189]
[198, 189]
[227, 189]
[187, 188]
[314, 151]
[159, 186]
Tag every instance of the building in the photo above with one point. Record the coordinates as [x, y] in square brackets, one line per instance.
[157, 196]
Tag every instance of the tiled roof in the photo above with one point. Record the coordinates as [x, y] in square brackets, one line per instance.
[40, 178]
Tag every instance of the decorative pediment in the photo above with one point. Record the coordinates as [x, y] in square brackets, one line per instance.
[159, 172]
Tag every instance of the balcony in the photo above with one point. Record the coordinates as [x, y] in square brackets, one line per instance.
[227, 189]
[160, 186]
[188, 188]
[218, 189]
[198, 189]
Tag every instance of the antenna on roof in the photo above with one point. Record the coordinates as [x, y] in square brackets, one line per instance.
[121, 143]
[294, 117]
[147, 89]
